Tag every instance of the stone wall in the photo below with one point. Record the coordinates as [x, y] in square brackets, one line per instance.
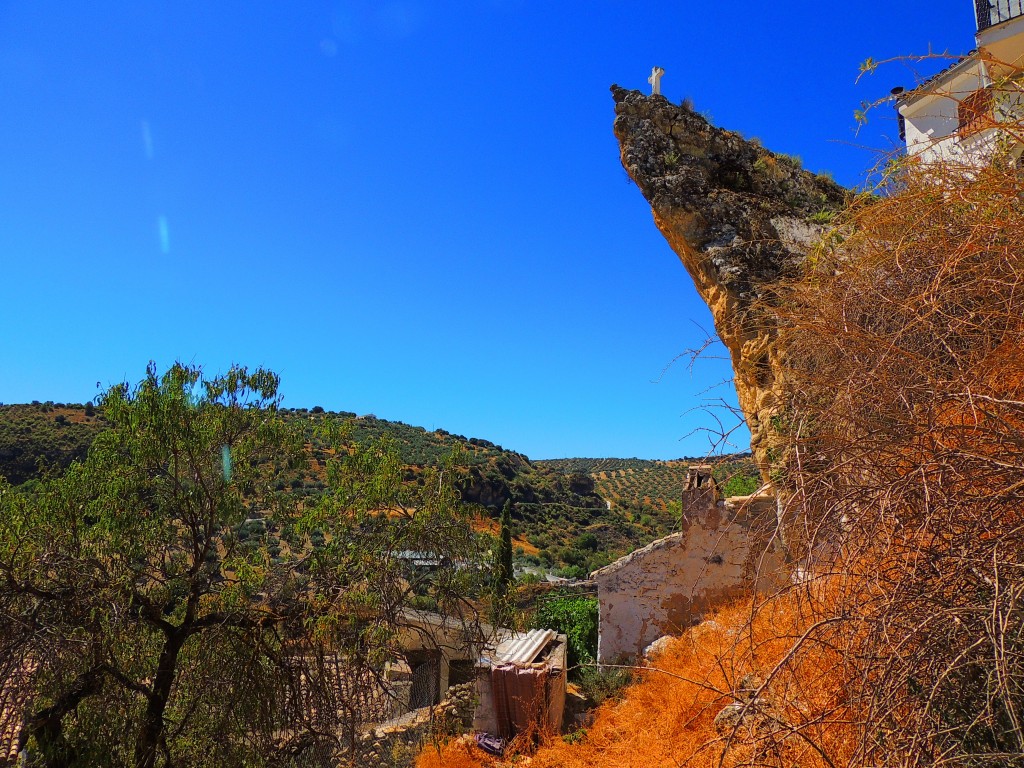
[725, 551]
[397, 743]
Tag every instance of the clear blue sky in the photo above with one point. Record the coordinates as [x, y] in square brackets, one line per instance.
[412, 208]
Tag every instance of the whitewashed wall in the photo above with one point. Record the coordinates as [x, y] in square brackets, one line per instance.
[671, 583]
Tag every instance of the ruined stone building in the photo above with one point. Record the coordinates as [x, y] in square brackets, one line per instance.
[723, 551]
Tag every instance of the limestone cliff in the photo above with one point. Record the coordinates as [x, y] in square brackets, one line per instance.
[740, 218]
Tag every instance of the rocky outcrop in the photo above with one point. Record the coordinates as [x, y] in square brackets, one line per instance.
[741, 219]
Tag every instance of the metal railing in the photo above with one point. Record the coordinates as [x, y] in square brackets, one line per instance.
[992, 12]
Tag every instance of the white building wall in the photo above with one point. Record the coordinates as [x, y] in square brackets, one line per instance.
[931, 113]
[671, 583]
[932, 119]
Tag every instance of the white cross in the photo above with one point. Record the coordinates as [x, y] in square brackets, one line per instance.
[655, 80]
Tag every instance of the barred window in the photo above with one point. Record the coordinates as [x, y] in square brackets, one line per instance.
[975, 112]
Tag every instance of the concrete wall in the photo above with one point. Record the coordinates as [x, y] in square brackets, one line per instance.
[451, 638]
[671, 583]
[1004, 43]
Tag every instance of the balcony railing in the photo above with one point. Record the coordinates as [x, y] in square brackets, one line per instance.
[992, 12]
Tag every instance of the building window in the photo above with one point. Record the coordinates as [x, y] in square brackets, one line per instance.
[975, 112]
[992, 12]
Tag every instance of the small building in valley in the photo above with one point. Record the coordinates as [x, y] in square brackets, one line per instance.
[522, 680]
[517, 676]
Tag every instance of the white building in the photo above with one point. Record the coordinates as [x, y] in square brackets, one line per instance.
[956, 114]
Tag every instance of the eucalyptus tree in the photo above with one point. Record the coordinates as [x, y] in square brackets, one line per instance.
[143, 624]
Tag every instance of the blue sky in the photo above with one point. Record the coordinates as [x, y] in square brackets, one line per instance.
[412, 208]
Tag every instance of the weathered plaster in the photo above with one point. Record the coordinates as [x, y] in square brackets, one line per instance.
[669, 585]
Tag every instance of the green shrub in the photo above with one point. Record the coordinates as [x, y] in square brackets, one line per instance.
[793, 161]
[601, 683]
[575, 617]
[572, 572]
[740, 485]
[571, 556]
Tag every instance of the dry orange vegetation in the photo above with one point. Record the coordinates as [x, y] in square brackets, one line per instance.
[74, 415]
[903, 439]
[899, 456]
[528, 548]
[490, 525]
[486, 525]
[785, 663]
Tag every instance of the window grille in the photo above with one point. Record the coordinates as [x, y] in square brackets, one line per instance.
[975, 112]
[992, 12]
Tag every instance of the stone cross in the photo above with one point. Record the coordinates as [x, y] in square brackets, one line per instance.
[655, 80]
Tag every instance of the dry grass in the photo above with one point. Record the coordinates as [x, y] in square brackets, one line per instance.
[483, 524]
[780, 659]
[777, 661]
[901, 446]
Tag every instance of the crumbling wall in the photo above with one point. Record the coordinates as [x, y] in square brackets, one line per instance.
[671, 583]
[396, 744]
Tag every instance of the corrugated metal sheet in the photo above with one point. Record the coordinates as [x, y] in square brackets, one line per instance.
[527, 694]
[526, 687]
[523, 647]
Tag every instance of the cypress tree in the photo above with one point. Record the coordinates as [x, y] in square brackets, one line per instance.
[505, 573]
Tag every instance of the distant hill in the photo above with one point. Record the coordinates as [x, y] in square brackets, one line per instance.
[649, 485]
[570, 515]
[44, 437]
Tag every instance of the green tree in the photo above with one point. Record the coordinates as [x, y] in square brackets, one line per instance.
[148, 633]
[506, 573]
[576, 617]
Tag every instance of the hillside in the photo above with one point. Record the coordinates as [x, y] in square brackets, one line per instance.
[41, 437]
[880, 370]
[646, 486]
[570, 515]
